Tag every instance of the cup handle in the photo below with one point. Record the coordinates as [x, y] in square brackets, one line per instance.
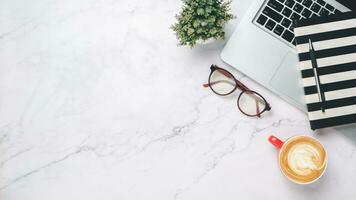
[275, 141]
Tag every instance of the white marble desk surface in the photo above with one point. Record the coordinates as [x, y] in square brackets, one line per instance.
[98, 102]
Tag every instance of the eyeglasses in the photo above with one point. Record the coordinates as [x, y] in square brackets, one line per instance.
[249, 102]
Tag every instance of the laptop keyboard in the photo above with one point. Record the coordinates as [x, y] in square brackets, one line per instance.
[276, 16]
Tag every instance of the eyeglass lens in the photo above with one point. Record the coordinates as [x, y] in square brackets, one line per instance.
[251, 103]
[222, 82]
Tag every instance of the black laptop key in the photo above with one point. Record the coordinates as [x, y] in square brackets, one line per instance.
[289, 3]
[321, 2]
[300, 1]
[298, 8]
[324, 12]
[294, 43]
[275, 5]
[286, 22]
[306, 13]
[307, 3]
[272, 14]
[270, 25]
[295, 16]
[262, 20]
[329, 7]
[278, 30]
[315, 7]
[287, 35]
[286, 12]
[291, 27]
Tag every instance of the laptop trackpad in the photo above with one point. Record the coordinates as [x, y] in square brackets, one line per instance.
[287, 79]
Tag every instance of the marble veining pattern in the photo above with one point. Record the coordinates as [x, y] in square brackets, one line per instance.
[99, 102]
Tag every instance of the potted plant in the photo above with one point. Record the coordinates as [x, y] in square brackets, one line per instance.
[201, 21]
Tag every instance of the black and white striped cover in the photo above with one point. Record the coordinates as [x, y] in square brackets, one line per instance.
[334, 41]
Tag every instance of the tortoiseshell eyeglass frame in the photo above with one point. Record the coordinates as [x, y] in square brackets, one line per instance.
[242, 87]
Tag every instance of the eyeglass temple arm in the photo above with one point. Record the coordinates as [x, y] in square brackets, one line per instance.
[215, 82]
[225, 73]
[241, 86]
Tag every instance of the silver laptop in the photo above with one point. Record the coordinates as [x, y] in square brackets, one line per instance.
[263, 47]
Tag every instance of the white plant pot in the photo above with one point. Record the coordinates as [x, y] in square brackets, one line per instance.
[210, 43]
[205, 42]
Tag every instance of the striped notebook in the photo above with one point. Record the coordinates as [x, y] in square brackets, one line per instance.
[334, 42]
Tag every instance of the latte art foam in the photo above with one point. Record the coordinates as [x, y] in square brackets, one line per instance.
[303, 159]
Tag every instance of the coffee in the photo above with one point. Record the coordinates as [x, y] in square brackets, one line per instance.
[302, 159]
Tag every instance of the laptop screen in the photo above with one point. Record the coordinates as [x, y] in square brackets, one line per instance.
[351, 4]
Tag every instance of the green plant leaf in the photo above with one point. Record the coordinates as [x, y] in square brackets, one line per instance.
[200, 11]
